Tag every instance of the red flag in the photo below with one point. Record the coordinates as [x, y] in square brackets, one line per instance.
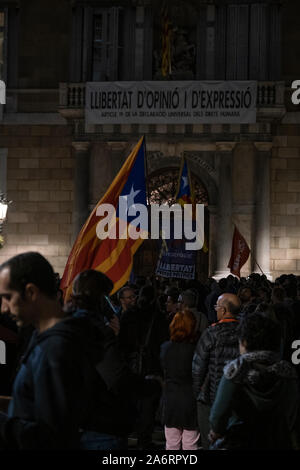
[239, 253]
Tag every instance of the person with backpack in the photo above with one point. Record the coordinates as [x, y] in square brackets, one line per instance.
[114, 407]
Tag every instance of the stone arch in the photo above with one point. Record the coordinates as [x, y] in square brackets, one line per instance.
[203, 170]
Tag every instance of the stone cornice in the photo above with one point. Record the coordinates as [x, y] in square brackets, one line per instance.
[225, 146]
[263, 146]
[117, 146]
[81, 146]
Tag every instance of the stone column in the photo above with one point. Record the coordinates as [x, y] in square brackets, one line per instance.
[224, 210]
[213, 233]
[118, 156]
[81, 186]
[262, 212]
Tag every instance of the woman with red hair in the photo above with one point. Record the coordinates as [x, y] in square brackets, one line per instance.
[180, 411]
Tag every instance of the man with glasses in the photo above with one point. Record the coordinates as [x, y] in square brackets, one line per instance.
[127, 298]
[217, 345]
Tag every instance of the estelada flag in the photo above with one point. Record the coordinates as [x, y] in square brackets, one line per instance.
[239, 253]
[112, 256]
[185, 193]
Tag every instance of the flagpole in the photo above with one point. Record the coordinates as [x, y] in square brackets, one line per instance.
[258, 266]
[146, 172]
[148, 200]
[180, 174]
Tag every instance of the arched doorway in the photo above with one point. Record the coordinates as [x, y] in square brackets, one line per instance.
[162, 188]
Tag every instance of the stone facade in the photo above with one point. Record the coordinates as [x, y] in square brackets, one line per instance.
[285, 197]
[57, 169]
[40, 169]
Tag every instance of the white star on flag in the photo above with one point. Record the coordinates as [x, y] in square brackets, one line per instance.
[130, 197]
[185, 181]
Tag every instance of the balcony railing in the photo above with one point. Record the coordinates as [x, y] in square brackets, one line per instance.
[72, 95]
[269, 94]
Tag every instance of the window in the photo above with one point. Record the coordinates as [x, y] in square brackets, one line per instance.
[103, 44]
[247, 38]
[106, 44]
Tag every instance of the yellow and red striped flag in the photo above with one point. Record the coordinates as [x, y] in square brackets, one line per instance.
[166, 68]
[112, 256]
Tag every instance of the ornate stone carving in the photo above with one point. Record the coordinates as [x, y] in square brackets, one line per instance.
[153, 160]
[197, 158]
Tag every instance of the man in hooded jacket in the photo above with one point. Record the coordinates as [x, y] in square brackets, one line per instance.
[257, 399]
[57, 389]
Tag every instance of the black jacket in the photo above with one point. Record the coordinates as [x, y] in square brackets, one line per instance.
[217, 345]
[142, 331]
[179, 404]
[256, 403]
[70, 379]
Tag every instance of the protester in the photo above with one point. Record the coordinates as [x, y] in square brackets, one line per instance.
[188, 299]
[54, 390]
[257, 399]
[127, 299]
[179, 417]
[142, 331]
[246, 295]
[284, 316]
[79, 392]
[45, 416]
[171, 303]
[218, 344]
[114, 410]
[9, 346]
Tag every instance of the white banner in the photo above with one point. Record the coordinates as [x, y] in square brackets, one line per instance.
[186, 102]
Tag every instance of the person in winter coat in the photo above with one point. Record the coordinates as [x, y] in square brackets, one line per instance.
[142, 332]
[180, 410]
[8, 358]
[63, 380]
[257, 399]
[114, 411]
[46, 397]
[217, 345]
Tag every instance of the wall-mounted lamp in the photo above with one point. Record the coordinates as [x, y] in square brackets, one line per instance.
[3, 211]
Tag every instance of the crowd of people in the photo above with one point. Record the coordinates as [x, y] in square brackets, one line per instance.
[210, 361]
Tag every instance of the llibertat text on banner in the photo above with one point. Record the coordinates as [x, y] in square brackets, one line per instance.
[170, 102]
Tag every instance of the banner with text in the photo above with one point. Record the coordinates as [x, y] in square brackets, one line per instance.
[166, 102]
[175, 261]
